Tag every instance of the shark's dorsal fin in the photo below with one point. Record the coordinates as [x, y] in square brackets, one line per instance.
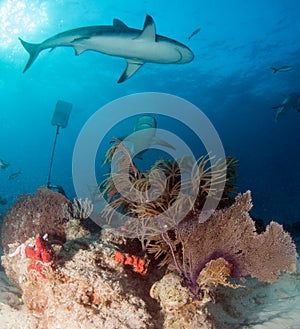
[119, 23]
[149, 30]
[131, 68]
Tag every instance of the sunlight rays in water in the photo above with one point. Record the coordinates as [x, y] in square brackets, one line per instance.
[18, 17]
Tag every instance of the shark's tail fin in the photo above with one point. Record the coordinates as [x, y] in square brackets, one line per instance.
[33, 49]
[274, 69]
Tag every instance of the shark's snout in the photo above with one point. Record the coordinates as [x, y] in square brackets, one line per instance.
[187, 56]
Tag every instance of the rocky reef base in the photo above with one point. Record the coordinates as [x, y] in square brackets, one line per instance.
[86, 288]
[83, 278]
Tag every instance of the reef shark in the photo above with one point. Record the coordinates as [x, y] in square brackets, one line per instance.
[144, 136]
[291, 101]
[136, 46]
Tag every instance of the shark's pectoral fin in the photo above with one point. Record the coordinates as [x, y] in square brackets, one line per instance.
[162, 143]
[79, 50]
[149, 30]
[119, 23]
[131, 68]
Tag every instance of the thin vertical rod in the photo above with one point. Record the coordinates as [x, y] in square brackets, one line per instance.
[52, 156]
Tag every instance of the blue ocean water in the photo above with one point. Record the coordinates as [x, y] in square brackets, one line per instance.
[230, 80]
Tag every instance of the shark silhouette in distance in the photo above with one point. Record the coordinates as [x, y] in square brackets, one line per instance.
[291, 101]
[136, 46]
[285, 68]
[144, 137]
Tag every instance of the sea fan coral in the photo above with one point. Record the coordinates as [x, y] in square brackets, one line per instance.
[230, 234]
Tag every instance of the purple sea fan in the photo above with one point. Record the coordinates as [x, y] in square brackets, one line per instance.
[230, 233]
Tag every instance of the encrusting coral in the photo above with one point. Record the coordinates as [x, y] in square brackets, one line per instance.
[40, 252]
[139, 264]
[178, 308]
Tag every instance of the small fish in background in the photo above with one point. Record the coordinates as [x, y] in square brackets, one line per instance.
[285, 68]
[3, 201]
[289, 102]
[194, 33]
[15, 175]
[3, 164]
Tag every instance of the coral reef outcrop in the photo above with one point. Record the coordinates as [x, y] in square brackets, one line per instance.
[84, 285]
[108, 278]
